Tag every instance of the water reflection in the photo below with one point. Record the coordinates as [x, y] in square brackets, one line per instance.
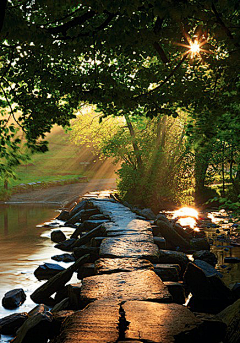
[22, 248]
[222, 234]
[186, 216]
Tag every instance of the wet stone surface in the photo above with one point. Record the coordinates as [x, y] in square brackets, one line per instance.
[98, 322]
[116, 265]
[136, 285]
[162, 322]
[127, 247]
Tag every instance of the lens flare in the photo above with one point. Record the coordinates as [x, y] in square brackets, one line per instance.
[194, 48]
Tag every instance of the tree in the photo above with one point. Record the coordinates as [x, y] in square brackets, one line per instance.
[160, 143]
[123, 57]
[118, 55]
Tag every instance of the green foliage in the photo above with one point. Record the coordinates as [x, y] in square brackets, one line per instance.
[129, 59]
[165, 173]
[117, 55]
[12, 151]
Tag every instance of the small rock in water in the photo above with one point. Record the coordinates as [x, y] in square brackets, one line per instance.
[13, 298]
[63, 258]
[57, 236]
[47, 270]
[66, 245]
[207, 256]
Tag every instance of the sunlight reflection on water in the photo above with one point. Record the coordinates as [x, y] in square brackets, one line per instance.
[220, 232]
[23, 248]
[186, 217]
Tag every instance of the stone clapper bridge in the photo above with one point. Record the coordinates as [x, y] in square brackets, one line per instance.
[126, 301]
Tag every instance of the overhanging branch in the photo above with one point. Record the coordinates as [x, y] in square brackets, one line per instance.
[163, 82]
[91, 33]
[72, 23]
[224, 27]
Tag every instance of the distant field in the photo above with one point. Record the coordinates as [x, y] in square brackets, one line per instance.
[63, 161]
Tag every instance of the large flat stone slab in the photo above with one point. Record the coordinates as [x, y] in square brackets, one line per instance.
[134, 246]
[160, 323]
[113, 209]
[136, 285]
[117, 265]
[96, 323]
[138, 237]
[130, 226]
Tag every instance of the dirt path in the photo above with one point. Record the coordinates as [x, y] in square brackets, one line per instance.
[62, 195]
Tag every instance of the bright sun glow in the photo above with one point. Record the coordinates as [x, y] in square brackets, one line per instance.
[194, 47]
[187, 216]
[186, 212]
[191, 222]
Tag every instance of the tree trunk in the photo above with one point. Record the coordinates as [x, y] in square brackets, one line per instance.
[6, 184]
[235, 182]
[134, 143]
[223, 171]
[201, 165]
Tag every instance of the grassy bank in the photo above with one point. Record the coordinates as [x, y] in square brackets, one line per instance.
[63, 163]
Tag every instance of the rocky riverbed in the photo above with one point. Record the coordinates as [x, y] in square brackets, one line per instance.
[132, 267]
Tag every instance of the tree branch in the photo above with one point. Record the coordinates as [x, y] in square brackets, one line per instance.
[72, 23]
[161, 52]
[165, 81]
[99, 28]
[10, 106]
[225, 28]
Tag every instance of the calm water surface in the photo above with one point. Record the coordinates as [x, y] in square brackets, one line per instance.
[23, 247]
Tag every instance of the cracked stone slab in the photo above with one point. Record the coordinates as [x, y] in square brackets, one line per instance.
[96, 323]
[128, 247]
[116, 265]
[136, 285]
[163, 323]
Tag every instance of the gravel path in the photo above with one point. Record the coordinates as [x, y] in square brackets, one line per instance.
[62, 195]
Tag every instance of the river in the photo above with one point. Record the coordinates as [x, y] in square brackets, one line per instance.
[25, 244]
